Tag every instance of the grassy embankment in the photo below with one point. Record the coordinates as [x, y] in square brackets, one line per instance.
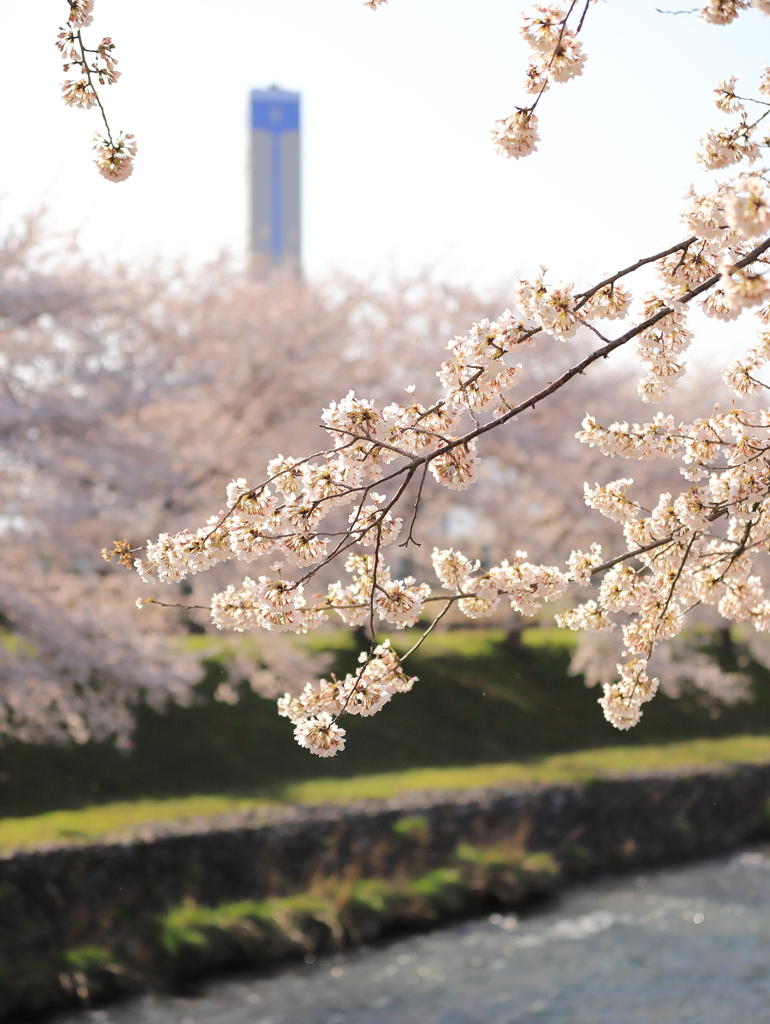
[480, 715]
[581, 766]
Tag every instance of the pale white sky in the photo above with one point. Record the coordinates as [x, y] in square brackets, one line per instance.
[398, 169]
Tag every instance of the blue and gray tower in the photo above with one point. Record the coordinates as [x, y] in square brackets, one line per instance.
[275, 207]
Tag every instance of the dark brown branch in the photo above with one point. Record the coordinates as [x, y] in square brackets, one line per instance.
[583, 297]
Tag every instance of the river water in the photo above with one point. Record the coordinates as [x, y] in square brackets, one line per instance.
[680, 945]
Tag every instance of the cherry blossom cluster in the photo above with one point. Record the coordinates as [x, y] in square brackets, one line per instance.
[556, 55]
[698, 547]
[724, 147]
[722, 12]
[680, 663]
[725, 223]
[525, 585]
[114, 155]
[316, 710]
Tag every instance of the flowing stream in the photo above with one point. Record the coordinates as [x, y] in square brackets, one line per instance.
[684, 944]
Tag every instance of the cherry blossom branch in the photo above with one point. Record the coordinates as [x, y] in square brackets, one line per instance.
[583, 297]
[114, 157]
[602, 353]
[671, 540]
[675, 580]
[87, 70]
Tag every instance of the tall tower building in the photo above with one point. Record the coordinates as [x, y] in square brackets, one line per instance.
[275, 204]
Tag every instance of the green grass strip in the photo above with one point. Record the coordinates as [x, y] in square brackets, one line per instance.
[128, 817]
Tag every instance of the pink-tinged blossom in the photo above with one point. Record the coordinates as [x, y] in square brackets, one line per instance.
[719, 306]
[115, 160]
[727, 146]
[536, 77]
[611, 302]
[321, 735]
[551, 306]
[351, 416]
[453, 569]
[401, 601]
[81, 13]
[363, 696]
[742, 287]
[694, 508]
[249, 541]
[370, 525]
[252, 503]
[747, 207]
[589, 616]
[704, 214]
[541, 30]
[690, 267]
[581, 564]
[516, 135]
[722, 12]
[458, 468]
[726, 100]
[738, 375]
[287, 474]
[564, 62]
[78, 93]
[305, 549]
[611, 500]
[483, 598]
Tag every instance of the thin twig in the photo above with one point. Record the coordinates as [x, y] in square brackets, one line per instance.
[175, 604]
[438, 619]
[87, 70]
[410, 536]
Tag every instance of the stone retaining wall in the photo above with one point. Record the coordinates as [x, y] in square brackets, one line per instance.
[57, 904]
